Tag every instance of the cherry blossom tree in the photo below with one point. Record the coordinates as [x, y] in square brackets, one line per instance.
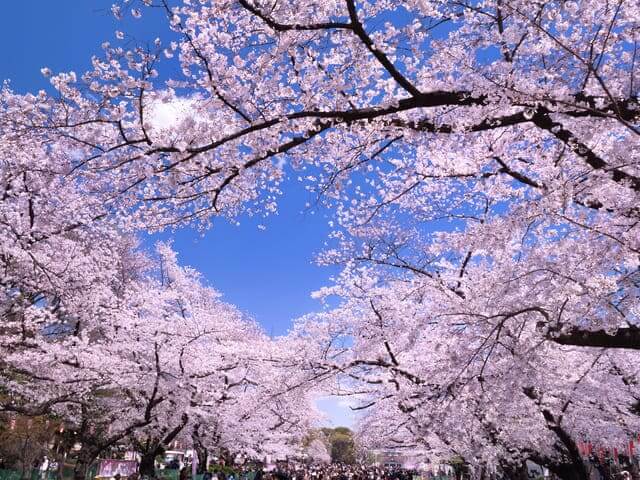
[317, 451]
[424, 386]
[456, 140]
[137, 354]
[481, 160]
[235, 385]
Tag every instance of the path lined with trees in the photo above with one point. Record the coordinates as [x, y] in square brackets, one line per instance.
[481, 163]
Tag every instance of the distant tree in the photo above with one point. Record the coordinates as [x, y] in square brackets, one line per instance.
[342, 445]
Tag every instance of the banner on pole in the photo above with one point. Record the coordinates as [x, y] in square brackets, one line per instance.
[110, 468]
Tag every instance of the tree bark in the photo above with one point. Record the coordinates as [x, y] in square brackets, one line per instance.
[516, 472]
[155, 446]
[83, 463]
[576, 470]
[203, 458]
[148, 462]
[200, 449]
[483, 472]
[624, 338]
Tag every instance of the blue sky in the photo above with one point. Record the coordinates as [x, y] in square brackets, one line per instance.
[269, 274]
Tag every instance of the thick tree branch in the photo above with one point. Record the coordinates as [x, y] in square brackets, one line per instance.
[623, 338]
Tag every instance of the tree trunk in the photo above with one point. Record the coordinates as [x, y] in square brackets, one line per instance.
[482, 472]
[83, 463]
[576, 469]
[154, 446]
[570, 471]
[148, 462]
[203, 457]
[516, 472]
[200, 450]
[60, 459]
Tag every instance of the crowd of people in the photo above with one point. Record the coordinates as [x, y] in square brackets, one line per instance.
[340, 472]
[288, 471]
